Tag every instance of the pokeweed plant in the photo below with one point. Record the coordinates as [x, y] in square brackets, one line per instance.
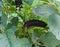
[13, 19]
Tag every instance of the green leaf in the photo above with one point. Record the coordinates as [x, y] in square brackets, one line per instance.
[52, 1]
[4, 19]
[14, 21]
[36, 32]
[1, 26]
[49, 40]
[44, 10]
[54, 25]
[4, 41]
[16, 42]
[10, 40]
[0, 3]
[0, 13]
[58, 45]
[29, 1]
[58, 4]
[37, 3]
[9, 25]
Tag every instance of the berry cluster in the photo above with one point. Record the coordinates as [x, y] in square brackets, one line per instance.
[18, 3]
[34, 23]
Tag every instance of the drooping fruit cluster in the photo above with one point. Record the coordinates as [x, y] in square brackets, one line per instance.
[18, 3]
[34, 23]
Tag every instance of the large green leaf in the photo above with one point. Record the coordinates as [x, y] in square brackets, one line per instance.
[54, 25]
[49, 40]
[4, 41]
[10, 40]
[44, 10]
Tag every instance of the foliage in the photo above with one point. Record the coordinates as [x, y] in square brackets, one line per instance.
[12, 33]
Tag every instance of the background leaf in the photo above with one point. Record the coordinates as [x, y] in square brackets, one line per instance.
[49, 40]
[16, 42]
[4, 41]
[54, 25]
[44, 10]
[29, 1]
[4, 19]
